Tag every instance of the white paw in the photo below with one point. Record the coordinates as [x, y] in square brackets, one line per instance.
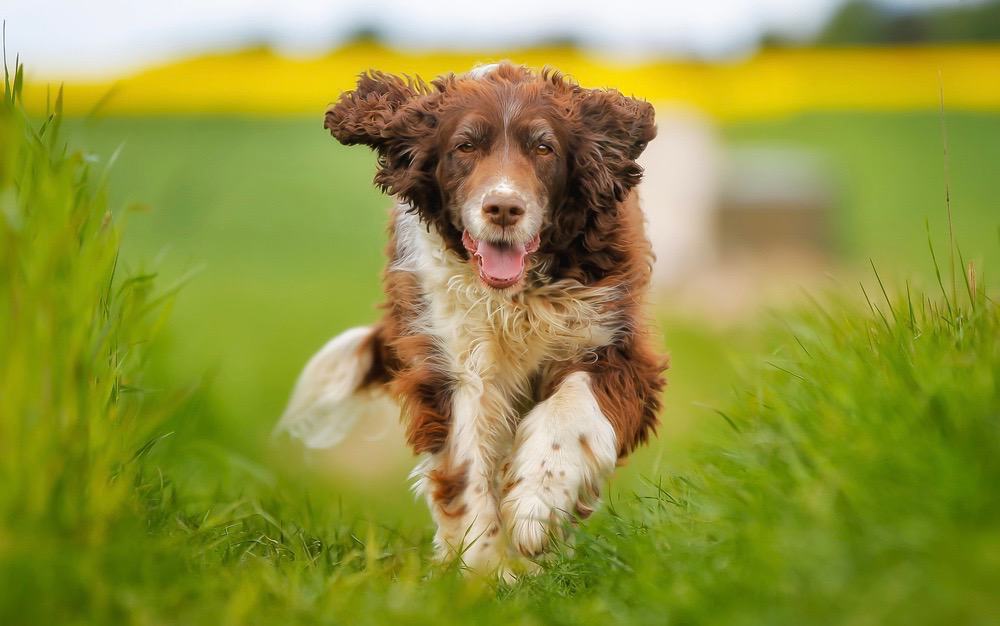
[530, 519]
[540, 502]
[482, 548]
[563, 451]
[516, 567]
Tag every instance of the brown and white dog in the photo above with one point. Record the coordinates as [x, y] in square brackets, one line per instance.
[513, 340]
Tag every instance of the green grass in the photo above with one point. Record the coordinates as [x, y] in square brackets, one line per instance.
[75, 417]
[284, 234]
[852, 478]
[285, 254]
[891, 175]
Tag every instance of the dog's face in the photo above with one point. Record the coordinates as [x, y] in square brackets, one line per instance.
[501, 167]
[502, 162]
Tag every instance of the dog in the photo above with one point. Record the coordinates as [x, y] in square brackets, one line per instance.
[513, 339]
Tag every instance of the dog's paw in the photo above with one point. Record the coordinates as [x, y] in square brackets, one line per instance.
[563, 451]
[539, 502]
[516, 567]
[531, 521]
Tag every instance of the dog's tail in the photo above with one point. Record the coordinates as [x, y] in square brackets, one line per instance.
[341, 383]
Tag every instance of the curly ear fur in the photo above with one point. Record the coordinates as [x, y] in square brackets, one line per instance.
[408, 158]
[361, 116]
[613, 131]
[609, 133]
[396, 117]
[399, 118]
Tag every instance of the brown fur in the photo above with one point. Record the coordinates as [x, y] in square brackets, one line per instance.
[416, 375]
[627, 376]
[447, 486]
[593, 234]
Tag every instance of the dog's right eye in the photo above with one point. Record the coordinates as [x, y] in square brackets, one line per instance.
[465, 148]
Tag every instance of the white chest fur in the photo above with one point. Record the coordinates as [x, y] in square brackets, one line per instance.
[493, 338]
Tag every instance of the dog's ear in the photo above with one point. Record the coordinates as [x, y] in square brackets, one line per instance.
[612, 130]
[396, 117]
[362, 115]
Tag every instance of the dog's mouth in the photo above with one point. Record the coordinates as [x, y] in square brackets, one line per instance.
[500, 264]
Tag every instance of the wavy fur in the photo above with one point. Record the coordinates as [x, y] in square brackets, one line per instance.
[496, 384]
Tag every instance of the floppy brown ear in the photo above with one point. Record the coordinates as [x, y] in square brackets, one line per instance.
[613, 130]
[361, 116]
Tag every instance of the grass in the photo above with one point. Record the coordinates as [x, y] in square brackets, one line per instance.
[75, 418]
[852, 480]
[285, 233]
[889, 166]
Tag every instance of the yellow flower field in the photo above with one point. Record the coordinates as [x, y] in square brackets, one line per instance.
[770, 83]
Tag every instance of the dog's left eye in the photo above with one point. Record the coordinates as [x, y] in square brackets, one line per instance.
[543, 149]
[465, 147]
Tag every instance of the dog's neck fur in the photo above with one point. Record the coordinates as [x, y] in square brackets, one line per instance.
[546, 321]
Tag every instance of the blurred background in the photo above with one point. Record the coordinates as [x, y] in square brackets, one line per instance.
[800, 141]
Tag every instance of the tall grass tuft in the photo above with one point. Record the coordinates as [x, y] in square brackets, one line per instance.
[74, 416]
[856, 485]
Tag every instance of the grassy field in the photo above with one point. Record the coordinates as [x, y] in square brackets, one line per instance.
[285, 235]
[848, 477]
[891, 169]
[281, 220]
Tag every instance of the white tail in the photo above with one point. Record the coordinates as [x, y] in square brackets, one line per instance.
[327, 400]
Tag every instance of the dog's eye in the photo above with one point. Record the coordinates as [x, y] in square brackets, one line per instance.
[543, 149]
[465, 148]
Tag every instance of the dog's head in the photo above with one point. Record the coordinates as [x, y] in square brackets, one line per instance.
[500, 161]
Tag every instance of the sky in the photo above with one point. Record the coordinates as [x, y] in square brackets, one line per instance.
[96, 38]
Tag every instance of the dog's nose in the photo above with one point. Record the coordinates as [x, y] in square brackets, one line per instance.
[503, 209]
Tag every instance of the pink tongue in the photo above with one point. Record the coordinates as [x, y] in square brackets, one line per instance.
[503, 263]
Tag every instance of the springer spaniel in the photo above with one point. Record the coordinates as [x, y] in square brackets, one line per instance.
[513, 338]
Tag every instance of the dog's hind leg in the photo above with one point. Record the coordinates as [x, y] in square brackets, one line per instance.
[341, 383]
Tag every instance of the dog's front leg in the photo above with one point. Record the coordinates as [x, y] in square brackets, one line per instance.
[563, 450]
[568, 444]
[459, 485]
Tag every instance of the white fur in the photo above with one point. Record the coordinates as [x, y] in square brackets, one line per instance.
[326, 401]
[522, 232]
[564, 449]
[481, 71]
[469, 535]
